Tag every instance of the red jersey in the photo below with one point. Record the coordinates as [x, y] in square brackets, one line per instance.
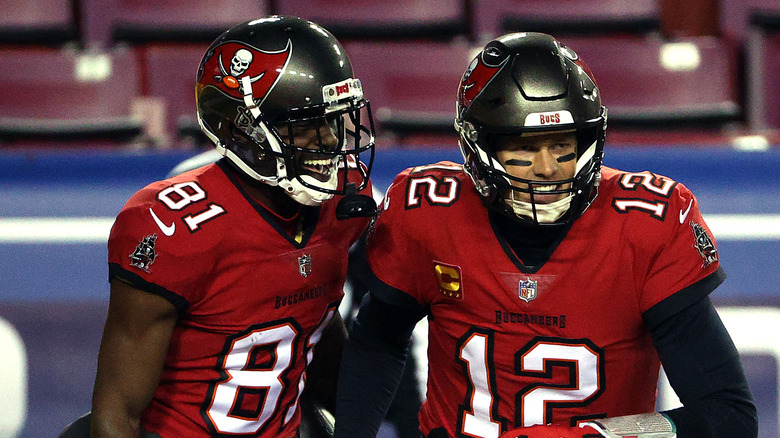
[561, 343]
[252, 300]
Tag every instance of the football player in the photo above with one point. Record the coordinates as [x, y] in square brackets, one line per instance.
[226, 279]
[554, 287]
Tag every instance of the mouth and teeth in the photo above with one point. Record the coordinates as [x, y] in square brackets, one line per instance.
[543, 194]
[319, 166]
[545, 188]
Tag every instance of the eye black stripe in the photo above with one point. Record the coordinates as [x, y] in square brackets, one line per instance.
[516, 162]
[567, 157]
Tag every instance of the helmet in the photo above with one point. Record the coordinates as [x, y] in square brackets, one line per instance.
[524, 83]
[264, 82]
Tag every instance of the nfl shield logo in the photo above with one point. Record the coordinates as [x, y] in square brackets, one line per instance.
[527, 289]
[304, 265]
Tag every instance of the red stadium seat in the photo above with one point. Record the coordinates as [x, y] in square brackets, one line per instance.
[646, 84]
[170, 73]
[737, 15]
[764, 80]
[687, 83]
[65, 94]
[139, 21]
[48, 22]
[412, 86]
[355, 19]
[757, 29]
[565, 17]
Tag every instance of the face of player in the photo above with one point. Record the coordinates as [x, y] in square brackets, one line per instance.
[313, 136]
[543, 156]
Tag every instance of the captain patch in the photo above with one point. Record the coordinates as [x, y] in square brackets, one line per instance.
[449, 279]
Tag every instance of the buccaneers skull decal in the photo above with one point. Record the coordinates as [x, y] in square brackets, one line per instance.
[479, 73]
[230, 62]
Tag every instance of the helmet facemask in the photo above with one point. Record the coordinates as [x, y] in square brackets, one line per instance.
[312, 150]
[519, 196]
[547, 212]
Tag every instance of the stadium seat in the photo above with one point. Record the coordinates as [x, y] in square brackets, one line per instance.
[412, 87]
[68, 95]
[355, 19]
[645, 83]
[49, 22]
[141, 21]
[764, 81]
[736, 16]
[170, 74]
[567, 17]
[648, 83]
[762, 54]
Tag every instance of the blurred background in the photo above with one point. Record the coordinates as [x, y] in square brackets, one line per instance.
[97, 101]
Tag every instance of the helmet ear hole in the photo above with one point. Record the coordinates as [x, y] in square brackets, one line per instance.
[250, 151]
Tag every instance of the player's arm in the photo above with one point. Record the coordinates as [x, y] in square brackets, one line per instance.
[132, 353]
[322, 373]
[695, 349]
[374, 359]
[704, 368]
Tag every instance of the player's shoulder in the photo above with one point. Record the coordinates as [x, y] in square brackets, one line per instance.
[434, 177]
[646, 199]
[645, 185]
[176, 210]
[440, 168]
[190, 199]
[186, 185]
[441, 184]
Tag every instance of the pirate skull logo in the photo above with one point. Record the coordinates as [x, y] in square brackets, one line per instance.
[234, 66]
[240, 62]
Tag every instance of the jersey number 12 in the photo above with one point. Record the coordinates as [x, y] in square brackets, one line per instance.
[534, 404]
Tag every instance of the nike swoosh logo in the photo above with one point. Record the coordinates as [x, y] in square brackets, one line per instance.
[684, 214]
[166, 229]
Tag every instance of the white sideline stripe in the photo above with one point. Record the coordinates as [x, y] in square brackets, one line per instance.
[96, 229]
[55, 229]
[744, 226]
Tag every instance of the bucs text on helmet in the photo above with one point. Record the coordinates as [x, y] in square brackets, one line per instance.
[278, 98]
[524, 83]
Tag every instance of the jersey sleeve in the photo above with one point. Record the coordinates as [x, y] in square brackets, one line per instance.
[684, 261]
[141, 253]
[394, 252]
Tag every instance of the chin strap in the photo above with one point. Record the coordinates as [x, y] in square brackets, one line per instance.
[651, 425]
[305, 195]
[353, 204]
[545, 213]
